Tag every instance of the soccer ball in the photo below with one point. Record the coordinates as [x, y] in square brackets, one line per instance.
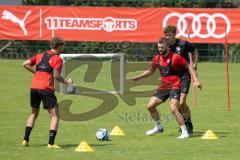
[70, 88]
[102, 134]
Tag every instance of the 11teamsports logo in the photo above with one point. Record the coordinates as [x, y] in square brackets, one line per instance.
[108, 24]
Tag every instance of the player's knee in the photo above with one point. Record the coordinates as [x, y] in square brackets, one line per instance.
[182, 104]
[35, 113]
[55, 115]
[174, 109]
[151, 107]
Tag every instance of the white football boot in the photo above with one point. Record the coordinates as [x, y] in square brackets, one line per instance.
[155, 130]
[184, 135]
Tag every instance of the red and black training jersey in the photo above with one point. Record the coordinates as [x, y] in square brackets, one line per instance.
[43, 77]
[169, 67]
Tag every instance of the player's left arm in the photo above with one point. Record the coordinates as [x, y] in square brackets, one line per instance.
[57, 68]
[182, 63]
[196, 82]
[193, 55]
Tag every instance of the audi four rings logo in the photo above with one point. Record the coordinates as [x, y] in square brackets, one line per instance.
[196, 25]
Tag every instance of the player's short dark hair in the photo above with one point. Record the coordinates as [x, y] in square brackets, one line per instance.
[163, 40]
[170, 29]
[55, 42]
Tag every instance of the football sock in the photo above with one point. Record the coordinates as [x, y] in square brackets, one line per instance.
[184, 129]
[158, 124]
[52, 134]
[189, 119]
[27, 133]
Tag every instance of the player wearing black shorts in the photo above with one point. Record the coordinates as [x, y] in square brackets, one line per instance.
[190, 54]
[169, 65]
[48, 66]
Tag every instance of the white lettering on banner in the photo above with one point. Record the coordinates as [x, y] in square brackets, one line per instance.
[107, 24]
[196, 25]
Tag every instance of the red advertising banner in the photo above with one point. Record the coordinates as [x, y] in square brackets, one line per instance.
[118, 24]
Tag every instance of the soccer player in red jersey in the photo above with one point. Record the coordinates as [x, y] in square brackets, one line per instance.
[169, 64]
[48, 66]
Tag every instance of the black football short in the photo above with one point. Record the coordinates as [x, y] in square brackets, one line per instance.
[185, 83]
[48, 98]
[165, 94]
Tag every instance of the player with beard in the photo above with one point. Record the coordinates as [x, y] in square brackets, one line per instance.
[169, 65]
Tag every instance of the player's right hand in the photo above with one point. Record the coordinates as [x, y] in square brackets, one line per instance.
[70, 81]
[135, 79]
[197, 84]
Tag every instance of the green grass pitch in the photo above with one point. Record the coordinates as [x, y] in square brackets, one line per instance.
[211, 114]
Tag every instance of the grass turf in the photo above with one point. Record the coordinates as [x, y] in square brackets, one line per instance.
[134, 120]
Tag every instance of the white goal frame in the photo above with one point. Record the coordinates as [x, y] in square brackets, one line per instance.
[101, 55]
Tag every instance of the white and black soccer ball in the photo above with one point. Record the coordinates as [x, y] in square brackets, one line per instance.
[71, 88]
[102, 134]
